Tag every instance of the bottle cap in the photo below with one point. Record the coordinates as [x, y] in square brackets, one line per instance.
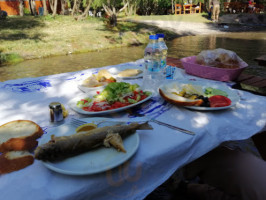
[153, 37]
[55, 105]
[160, 35]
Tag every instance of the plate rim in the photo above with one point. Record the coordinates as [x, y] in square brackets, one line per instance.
[90, 89]
[50, 165]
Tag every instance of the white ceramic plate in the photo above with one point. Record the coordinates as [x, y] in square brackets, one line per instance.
[232, 94]
[90, 89]
[94, 161]
[73, 104]
[115, 72]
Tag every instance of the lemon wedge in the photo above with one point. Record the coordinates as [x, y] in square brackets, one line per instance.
[65, 111]
[86, 127]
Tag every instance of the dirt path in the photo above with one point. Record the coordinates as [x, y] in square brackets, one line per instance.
[227, 23]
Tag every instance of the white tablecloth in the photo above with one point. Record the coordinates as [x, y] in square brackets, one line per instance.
[160, 153]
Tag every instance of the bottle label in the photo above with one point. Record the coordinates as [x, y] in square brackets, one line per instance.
[152, 66]
[163, 63]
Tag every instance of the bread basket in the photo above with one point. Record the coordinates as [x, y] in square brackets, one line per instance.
[214, 73]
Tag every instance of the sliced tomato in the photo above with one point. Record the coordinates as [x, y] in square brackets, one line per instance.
[84, 100]
[143, 97]
[219, 101]
[86, 108]
[135, 92]
[118, 104]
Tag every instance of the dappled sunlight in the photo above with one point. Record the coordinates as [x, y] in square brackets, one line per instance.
[200, 121]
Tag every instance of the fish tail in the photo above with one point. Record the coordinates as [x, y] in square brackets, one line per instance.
[145, 126]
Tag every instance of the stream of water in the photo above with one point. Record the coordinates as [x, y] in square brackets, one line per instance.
[248, 46]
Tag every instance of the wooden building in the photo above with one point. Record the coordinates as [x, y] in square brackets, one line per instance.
[12, 6]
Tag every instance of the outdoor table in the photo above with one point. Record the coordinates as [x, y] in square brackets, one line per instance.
[160, 153]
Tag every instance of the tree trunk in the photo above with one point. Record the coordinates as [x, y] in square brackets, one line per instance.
[51, 3]
[21, 8]
[173, 6]
[63, 7]
[34, 8]
[31, 8]
[55, 8]
[85, 13]
[74, 7]
[113, 20]
[113, 14]
[45, 12]
[131, 11]
[126, 9]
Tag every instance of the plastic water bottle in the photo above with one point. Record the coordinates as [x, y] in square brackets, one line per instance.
[153, 74]
[163, 48]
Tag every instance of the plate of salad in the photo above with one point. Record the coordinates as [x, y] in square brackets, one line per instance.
[199, 95]
[115, 97]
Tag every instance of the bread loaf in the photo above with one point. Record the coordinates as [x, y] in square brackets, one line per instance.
[15, 160]
[220, 58]
[19, 135]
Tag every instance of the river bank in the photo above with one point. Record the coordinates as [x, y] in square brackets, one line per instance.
[29, 37]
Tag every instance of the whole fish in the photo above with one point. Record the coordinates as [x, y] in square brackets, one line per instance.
[62, 147]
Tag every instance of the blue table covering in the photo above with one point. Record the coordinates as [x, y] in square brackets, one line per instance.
[160, 153]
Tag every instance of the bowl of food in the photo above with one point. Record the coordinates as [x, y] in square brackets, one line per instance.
[96, 81]
[217, 64]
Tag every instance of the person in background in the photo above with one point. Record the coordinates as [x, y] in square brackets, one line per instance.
[251, 6]
[215, 9]
[3, 14]
[210, 12]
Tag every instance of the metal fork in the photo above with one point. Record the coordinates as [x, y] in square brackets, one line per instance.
[78, 122]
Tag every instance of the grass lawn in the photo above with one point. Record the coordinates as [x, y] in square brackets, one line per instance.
[32, 37]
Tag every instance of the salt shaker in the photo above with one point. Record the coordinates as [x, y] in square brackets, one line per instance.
[56, 112]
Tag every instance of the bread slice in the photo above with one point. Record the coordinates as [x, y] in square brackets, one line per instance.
[19, 135]
[15, 160]
[129, 72]
[178, 100]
